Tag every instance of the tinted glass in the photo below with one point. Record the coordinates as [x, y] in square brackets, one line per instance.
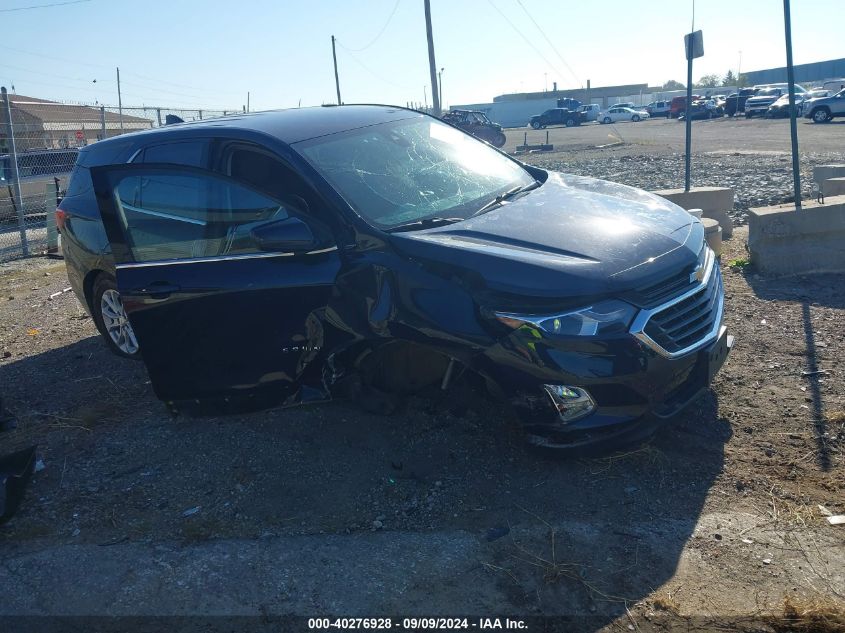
[190, 153]
[184, 215]
[401, 172]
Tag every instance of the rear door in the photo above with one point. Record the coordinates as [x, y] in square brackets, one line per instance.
[224, 319]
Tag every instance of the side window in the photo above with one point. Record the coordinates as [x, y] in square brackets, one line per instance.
[181, 215]
[263, 172]
[189, 153]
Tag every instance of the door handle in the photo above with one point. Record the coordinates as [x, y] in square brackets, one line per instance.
[158, 290]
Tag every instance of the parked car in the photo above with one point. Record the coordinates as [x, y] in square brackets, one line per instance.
[589, 111]
[40, 172]
[765, 96]
[658, 108]
[556, 116]
[476, 123]
[699, 110]
[735, 102]
[823, 109]
[679, 104]
[616, 114]
[780, 108]
[274, 257]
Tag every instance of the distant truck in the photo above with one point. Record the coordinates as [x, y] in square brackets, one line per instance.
[569, 104]
[735, 102]
[476, 123]
[556, 116]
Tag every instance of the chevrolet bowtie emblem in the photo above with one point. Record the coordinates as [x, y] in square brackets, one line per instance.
[697, 274]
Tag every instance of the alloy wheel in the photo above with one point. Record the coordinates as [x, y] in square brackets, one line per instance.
[117, 323]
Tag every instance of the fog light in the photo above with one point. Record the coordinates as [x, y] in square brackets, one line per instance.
[571, 403]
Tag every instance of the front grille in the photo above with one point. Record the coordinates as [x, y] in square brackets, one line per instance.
[684, 324]
[668, 288]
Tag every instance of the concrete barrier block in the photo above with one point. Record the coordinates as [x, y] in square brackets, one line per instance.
[784, 241]
[715, 202]
[823, 172]
[833, 187]
[713, 235]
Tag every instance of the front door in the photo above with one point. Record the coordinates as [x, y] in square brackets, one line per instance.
[224, 319]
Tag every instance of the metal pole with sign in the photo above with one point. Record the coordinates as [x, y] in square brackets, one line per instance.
[694, 45]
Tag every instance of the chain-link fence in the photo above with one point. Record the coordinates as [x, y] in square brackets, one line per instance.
[39, 144]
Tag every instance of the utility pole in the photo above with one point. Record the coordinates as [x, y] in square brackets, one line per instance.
[432, 67]
[739, 73]
[440, 87]
[119, 101]
[425, 96]
[793, 124]
[336, 79]
[247, 100]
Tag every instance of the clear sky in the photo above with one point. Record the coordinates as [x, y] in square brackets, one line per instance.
[209, 53]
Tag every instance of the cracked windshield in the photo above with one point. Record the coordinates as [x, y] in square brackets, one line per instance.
[411, 170]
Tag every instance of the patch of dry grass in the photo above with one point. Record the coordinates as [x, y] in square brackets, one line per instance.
[809, 615]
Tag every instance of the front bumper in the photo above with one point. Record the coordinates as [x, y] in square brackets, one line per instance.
[637, 381]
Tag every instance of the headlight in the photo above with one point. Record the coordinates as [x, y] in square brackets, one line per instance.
[607, 317]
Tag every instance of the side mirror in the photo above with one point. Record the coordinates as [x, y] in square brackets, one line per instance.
[283, 236]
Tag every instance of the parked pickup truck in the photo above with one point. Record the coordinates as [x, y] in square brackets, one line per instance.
[556, 116]
[765, 97]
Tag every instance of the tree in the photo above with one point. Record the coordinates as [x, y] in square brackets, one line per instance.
[673, 85]
[729, 79]
[708, 81]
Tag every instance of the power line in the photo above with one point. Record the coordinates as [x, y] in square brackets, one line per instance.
[109, 68]
[372, 72]
[527, 41]
[380, 33]
[44, 6]
[554, 48]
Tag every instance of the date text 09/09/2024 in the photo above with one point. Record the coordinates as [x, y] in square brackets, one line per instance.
[416, 624]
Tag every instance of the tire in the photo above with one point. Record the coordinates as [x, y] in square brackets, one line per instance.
[747, 115]
[606, 119]
[499, 140]
[821, 115]
[635, 118]
[535, 125]
[111, 320]
[570, 123]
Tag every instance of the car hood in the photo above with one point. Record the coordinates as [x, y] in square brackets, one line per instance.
[766, 99]
[572, 237]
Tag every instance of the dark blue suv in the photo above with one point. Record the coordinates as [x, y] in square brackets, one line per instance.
[279, 257]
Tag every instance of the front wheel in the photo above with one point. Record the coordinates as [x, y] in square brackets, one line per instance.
[499, 140]
[111, 319]
[821, 115]
[570, 123]
[606, 119]
[635, 118]
[535, 125]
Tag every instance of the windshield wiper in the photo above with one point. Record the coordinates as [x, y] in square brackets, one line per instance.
[510, 193]
[425, 223]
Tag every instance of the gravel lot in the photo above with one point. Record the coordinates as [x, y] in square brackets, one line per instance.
[438, 508]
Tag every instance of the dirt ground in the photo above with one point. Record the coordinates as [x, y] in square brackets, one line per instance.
[436, 509]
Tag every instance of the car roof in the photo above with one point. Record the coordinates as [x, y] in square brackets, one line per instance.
[289, 126]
